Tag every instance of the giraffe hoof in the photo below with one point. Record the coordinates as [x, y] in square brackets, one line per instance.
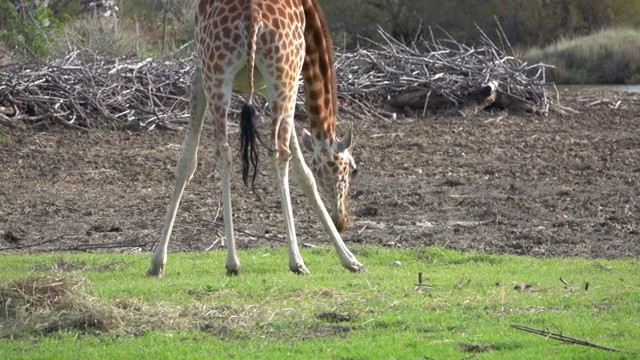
[233, 266]
[156, 270]
[356, 267]
[233, 272]
[299, 269]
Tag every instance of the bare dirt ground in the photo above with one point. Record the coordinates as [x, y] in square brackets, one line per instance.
[495, 183]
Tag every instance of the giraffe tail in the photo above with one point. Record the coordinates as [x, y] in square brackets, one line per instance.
[248, 131]
[248, 144]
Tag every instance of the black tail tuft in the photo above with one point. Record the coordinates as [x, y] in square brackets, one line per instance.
[248, 145]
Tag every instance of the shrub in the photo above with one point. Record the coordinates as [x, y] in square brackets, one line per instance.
[609, 56]
[29, 31]
[41, 32]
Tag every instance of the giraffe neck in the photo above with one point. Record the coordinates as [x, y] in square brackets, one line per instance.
[319, 74]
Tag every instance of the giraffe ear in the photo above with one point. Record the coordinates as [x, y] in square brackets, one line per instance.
[306, 140]
[345, 143]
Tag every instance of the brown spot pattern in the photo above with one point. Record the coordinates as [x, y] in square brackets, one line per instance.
[293, 37]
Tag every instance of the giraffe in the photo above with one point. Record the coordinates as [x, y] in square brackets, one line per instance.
[281, 39]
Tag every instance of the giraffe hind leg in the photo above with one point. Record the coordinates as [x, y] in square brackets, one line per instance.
[232, 262]
[218, 110]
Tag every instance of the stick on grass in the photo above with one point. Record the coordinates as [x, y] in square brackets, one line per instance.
[563, 338]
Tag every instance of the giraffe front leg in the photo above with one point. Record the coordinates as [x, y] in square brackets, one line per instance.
[280, 162]
[184, 171]
[308, 184]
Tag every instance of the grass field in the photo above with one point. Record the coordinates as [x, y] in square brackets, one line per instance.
[101, 306]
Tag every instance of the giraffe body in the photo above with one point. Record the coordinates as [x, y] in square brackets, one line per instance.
[281, 39]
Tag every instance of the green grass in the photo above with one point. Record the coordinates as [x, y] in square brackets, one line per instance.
[611, 56]
[267, 312]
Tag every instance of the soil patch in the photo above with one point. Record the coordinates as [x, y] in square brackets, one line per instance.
[496, 183]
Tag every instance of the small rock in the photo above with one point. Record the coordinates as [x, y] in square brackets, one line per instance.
[522, 286]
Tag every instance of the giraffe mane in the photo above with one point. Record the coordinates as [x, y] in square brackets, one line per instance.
[319, 52]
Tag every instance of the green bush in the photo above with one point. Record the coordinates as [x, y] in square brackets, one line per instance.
[28, 32]
[141, 30]
[610, 56]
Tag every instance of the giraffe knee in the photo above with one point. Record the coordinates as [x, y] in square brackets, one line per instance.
[186, 167]
[223, 156]
[280, 154]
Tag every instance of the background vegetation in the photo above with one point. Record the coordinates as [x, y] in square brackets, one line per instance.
[526, 23]
[554, 30]
[610, 56]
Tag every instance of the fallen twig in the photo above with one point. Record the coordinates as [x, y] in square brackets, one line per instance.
[253, 235]
[82, 247]
[19, 247]
[563, 338]
[110, 245]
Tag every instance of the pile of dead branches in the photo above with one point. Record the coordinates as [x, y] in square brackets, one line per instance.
[379, 81]
[104, 92]
[441, 75]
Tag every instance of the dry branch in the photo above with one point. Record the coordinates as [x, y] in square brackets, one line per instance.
[560, 337]
[435, 75]
[98, 93]
[442, 75]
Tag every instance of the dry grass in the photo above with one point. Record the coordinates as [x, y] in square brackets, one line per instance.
[59, 302]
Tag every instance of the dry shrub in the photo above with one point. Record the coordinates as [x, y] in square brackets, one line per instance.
[50, 303]
[31, 293]
[59, 302]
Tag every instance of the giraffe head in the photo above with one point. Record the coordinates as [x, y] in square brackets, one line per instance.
[332, 166]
